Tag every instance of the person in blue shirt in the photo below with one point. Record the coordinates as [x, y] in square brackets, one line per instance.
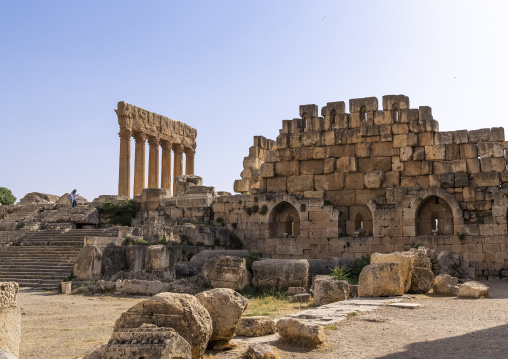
[73, 197]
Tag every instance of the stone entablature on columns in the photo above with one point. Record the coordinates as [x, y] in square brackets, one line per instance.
[160, 131]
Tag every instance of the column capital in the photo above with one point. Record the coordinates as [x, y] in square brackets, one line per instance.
[177, 148]
[125, 133]
[166, 145]
[153, 140]
[189, 151]
[139, 136]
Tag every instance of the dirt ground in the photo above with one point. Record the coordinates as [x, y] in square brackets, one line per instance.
[63, 326]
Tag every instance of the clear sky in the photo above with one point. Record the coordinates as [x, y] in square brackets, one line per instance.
[231, 69]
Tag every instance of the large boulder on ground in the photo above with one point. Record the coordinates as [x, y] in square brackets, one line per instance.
[182, 312]
[381, 280]
[226, 272]
[141, 287]
[255, 326]
[147, 341]
[280, 273]
[421, 281]
[202, 256]
[450, 264]
[405, 261]
[226, 308]
[445, 284]
[420, 258]
[328, 290]
[473, 289]
[38, 198]
[261, 351]
[300, 333]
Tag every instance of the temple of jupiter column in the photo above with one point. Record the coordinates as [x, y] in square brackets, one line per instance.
[159, 131]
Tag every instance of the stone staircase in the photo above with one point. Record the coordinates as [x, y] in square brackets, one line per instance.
[44, 258]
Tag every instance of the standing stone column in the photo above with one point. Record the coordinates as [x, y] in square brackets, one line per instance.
[10, 318]
[166, 165]
[124, 174]
[178, 171]
[139, 163]
[189, 161]
[153, 162]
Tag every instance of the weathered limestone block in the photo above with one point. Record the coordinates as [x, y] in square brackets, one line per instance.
[441, 167]
[255, 326]
[490, 149]
[405, 261]
[436, 152]
[346, 164]
[329, 182]
[485, 179]
[299, 298]
[354, 181]
[10, 318]
[135, 257]
[147, 341]
[328, 290]
[261, 351]
[287, 168]
[473, 289]
[311, 138]
[300, 333]
[296, 290]
[443, 138]
[182, 312]
[452, 152]
[280, 273]
[497, 134]
[420, 259]
[226, 272]
[88, 263]
[373, 179]
[481, 135]
[381, 280]
[141, 287]
[421, 280]
[276, 185]
[158, 261]
[492, 164]
[445, 284]
[381, 163]
[406, 153]
[267, 170]
[241, 186]
[450, 264]
[225, 307]
[300, 183]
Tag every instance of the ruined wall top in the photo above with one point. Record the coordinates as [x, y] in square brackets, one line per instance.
[140, 120]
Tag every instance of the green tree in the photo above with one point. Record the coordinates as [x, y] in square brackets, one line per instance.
[6, 196]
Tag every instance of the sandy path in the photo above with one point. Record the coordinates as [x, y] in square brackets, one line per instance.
[441, 328]
[62, 326]
[66, 326]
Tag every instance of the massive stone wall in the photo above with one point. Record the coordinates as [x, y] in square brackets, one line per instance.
[374, 180]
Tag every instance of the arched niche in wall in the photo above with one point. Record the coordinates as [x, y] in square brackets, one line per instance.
[360, 219]
[284, 221]
[434, 216]
[395, 113]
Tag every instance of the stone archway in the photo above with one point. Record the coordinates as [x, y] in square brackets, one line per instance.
[284, 221]
[434, 216]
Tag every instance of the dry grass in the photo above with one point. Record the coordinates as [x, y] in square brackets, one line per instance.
[274, 305]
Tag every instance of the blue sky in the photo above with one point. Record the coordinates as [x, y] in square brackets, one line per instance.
[231, 69]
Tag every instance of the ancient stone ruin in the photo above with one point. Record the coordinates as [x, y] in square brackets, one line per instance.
[160, 131]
